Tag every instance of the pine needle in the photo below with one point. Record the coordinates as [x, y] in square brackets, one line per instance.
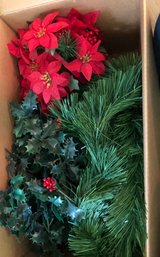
[108, 120]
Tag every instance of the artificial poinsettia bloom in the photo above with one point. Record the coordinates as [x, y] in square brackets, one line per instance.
[49, 83]
[82, 24]
[38, 63]
[19, 49]
[88, 61]
[41, 32]
[24, 88]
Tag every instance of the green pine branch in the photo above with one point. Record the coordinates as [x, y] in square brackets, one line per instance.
[109, 115]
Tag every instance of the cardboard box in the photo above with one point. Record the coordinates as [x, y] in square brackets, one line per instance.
[121, 20]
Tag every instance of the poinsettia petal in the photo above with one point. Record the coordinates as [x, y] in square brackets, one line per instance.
[34, 76]
[25, 56]
[67, 77]
[98, 57]
[86, 70]
[60, 58]
[53, 41]
[22, 67]
[45, 41]
[14, 50]
[47, 95]
[38, 87]
[74, 13]
[55, 92]
[54, 27]
[62, 92]
[98, 67]
[91, 17]
[32, 44]
[54, 67]
[83, 46]
[49, 19]
[95, 47]
[43, 61]
[28, 35]
[36, 24]
[21, 32]
[74, 65]
[57, 79]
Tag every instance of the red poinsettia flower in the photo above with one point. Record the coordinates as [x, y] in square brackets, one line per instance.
[17, 48]
[24, 89]
[41, 32]
[50, 83]
[38, 63]
[82, 24]
[89, 59]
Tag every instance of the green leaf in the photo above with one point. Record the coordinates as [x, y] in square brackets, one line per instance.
[57, 201]
[32, 126]
[70, 149]
[19, 195]
[16, 181]
[19, 130]
[30, 104]
[51, 51]
[73, 84]
[57, 214]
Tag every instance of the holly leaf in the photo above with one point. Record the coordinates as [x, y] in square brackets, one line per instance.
[17, 111]
[57, 201]
[16, 181]
[57, 214]
[34, 187]
[30, 104]
[73, 84]
[51, 144]
[56, 169]
[19, 129]
[39, 237]
[33, 146]
[32, 126]
[70, 149]
[49, 129]
[19, 195]
[60, 137]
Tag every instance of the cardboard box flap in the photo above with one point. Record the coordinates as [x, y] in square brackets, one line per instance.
[151, 118]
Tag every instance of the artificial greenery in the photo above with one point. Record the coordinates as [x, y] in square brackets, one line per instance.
[94, 151]
[108, 120]
[67, 46]
[41, 150]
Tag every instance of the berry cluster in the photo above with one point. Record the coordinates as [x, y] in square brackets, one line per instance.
[49, 183]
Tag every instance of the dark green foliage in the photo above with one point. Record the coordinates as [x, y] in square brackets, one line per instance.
[108, 120]
[41, 150]
[67, 46]
[28, 208]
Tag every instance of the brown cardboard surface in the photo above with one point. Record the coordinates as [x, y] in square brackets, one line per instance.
[8, 91]
[151, 118]
[153, 11]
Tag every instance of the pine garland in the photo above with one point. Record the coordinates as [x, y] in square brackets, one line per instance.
[108, 120]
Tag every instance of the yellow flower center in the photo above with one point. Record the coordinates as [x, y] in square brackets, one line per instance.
[41, 32]
[46, 79]
[85, 58]
[34, 66]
